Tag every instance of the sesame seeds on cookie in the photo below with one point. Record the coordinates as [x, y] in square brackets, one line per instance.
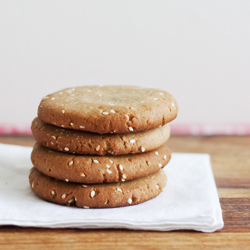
[97, 195]
[98, 169]
[122, 109]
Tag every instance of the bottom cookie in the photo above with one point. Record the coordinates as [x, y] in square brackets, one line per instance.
[97, 195]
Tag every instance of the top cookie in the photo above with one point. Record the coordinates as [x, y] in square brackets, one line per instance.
[108, 109]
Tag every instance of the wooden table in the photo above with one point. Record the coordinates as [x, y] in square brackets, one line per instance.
[230, 158]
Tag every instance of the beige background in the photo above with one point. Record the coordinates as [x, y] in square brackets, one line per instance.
[197, 50]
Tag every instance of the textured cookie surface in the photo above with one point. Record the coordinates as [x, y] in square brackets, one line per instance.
[98, 169]
[108, 109]
[80, 142]
[97, 195]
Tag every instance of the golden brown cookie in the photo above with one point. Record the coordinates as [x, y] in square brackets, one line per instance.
[98, 169]
[97, 195]
[108, 109]
[80, 142]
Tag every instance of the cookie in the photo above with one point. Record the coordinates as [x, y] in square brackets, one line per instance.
[80, 142]
[98, 169]
[97, 195]
[108, 109]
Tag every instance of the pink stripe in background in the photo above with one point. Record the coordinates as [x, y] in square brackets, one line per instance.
[180, 129]
[210, 129]
[14, 130]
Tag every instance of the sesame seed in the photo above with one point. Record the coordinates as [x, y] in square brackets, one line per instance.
[63, 111]
[105, 113]
[71, 124]
[32, 185]
[97, 148]
[127, 116]
[161, 93]
[62, 126]
[81, 127]
[111, 161]
[89, 90]
[129, 200]
[121, 167]
[123, 179]
[142, 149]
[130, 128]
[52, 143]
[111, 111]
[157, 186]
[165, 157]
[53, 98]
[85, 207]
[92, 194]
[84, 186]
[71, 200]
[66, 149]
[95, 161]
[71, 163]
[132, 108]
[53, 137]
[119, 190]
[124, 176]
[172, 104]
[132, 141]
[109, 171]
[75, 199]
[160, 165]
[63, 196]
[67, 180]
[52, 192]
[45, 97]
[83, 175]
[155, 98]
[107, 166]
[156, 153]
[100, 95]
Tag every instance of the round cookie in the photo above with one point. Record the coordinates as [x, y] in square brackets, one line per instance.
[80, 142]
[108, 109]
[98, 169]
[97, 195]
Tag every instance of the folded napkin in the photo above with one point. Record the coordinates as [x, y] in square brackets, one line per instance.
[189, 200]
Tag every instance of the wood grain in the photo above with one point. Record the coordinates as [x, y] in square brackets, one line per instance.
[230, 158]
[121, 239]
[234, 192]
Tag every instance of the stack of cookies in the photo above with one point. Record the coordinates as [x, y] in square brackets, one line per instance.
[101, 146]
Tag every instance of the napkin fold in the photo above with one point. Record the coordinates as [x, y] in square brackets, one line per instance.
[189, 200]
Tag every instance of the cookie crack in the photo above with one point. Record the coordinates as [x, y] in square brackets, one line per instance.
[124, 142]
[119, 172]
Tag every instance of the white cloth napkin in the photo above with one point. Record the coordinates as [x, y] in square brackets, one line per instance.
[189, 200]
